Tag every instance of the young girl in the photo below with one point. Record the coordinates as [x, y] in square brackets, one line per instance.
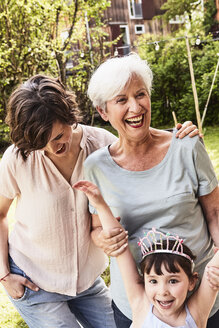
[167, 268]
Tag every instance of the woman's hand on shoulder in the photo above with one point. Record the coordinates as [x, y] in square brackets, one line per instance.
[113, 242]
[187, 128]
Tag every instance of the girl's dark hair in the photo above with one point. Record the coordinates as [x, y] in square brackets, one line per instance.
[33, 108]
[171, 261]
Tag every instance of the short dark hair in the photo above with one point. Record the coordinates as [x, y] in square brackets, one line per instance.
[33, 108]
[171, 261]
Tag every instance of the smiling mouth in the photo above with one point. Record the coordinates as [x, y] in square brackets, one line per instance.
[61, 150]
[165, 304]
[136, 121]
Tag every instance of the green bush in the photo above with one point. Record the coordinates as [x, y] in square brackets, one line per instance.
[172, 88]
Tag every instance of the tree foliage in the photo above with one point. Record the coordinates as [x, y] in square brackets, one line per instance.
[172, 79]
[44, 36]
[172, 89]
[209, 17]
[189, 10]
[175, 8]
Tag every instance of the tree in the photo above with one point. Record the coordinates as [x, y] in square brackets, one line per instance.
[172, 90]
[209, 18]
[172, 85]
[179, 7]
[43, 36]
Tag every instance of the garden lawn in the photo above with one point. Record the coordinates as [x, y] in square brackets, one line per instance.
[9, 317]
[211, 139]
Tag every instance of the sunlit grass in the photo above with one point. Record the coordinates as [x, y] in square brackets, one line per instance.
[211, 139]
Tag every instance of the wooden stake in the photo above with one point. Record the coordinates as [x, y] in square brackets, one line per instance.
[174, 118]
[198, 116]
[209, 96]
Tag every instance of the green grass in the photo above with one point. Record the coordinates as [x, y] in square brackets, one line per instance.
[211, 139]
[9, 317]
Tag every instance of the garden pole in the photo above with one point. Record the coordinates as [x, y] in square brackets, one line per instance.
[174, 118]
[206, 106]
[193, 86]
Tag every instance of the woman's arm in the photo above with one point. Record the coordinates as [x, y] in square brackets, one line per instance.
[127, 266]
[4, 207]
[210, 206]
[202, 301]
[13, 283]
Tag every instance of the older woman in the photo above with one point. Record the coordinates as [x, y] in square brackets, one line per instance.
[148, 177]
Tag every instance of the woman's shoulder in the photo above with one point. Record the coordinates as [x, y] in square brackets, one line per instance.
[96, 157]
[97, 132]
[97, 137]
[10, 153]
[9, 160]
[186, 142]
[188, 145]
[171, 133]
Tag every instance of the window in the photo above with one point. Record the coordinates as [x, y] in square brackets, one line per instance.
[135, 8]
[139, 29]
[124, 30]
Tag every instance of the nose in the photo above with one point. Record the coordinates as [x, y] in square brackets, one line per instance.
[134, 106]
[163, 289]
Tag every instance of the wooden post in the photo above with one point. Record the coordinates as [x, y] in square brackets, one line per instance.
[198, 116]
[174, 118]
[209, 96]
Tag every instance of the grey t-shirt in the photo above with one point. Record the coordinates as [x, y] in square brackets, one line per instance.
[164, 197]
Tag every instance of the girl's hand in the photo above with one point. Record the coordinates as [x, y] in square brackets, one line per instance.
[213, 277]
[15, 284]
[187, 128]
[91, 191]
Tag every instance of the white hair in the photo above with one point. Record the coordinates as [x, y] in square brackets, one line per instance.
[111, 77]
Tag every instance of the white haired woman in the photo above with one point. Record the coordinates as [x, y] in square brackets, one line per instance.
[148, 177]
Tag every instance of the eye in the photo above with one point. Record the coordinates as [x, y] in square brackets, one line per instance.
[153, 281]
[121, 100]
[141, 94]
[58, 137]
[173, 281]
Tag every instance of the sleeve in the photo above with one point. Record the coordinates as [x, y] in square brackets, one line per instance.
[8, 184]
[98, 138]
[90, 176]
[106, 137]
[207, 180]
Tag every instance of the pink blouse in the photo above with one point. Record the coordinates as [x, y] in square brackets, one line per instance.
[50, 240]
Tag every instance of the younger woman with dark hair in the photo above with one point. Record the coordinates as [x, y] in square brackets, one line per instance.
[167, 269]
[49, 265]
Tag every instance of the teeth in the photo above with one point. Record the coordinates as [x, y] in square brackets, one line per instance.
[59, 148]
[135, 119]
[165, 303]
